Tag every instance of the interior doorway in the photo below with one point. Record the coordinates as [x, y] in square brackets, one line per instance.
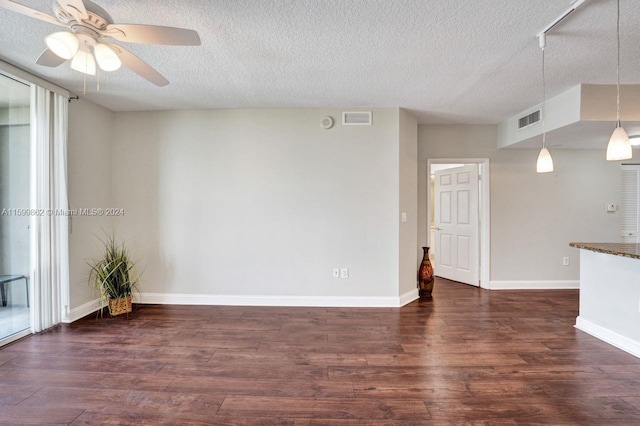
[456, 255]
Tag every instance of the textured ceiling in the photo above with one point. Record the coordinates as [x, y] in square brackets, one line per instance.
[448, 61]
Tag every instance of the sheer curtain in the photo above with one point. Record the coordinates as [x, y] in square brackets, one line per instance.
[49, 224]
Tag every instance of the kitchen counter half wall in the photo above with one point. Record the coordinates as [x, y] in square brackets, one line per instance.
[616, 249]
[610, 293]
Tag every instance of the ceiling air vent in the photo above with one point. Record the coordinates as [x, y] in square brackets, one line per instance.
[356, 118]
[528, 120]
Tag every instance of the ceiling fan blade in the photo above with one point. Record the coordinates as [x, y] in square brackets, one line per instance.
[139, 66]
[152, 34]
[49, 59]
[24, 10]
[75, 8]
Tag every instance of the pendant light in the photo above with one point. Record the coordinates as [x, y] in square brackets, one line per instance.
[545, 162]
[619, 147]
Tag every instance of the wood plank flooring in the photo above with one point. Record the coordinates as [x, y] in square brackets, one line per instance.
[467, 356]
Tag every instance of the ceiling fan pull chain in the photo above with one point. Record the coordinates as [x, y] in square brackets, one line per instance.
[84, 86]
[98, 79]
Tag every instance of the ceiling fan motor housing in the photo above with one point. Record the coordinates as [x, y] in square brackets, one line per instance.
[90, 26]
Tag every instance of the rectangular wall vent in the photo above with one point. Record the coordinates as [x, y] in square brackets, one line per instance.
[362, 118]
[528, 120]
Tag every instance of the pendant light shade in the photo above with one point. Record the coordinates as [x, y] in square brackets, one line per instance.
[63, 43]
[84, 63]
[545, 162]
[106, 57]
[619, 147]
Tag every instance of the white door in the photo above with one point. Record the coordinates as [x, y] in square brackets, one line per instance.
[456, 224]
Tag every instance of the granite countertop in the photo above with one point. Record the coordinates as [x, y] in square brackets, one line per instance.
[618, 249]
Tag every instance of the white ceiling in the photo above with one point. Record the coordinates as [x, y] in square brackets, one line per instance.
[448, 61]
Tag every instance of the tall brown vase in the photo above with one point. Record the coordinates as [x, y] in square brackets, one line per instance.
[425, 275]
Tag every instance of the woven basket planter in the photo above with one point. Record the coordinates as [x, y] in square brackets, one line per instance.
[120, 306]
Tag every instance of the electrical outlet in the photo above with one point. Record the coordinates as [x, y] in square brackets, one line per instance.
[336, 272]
[344, 273]
[565, 261]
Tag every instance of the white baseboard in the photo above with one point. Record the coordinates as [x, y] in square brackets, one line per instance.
[207, 299]
[312, 301]
[535, 285]
[81, 311]
[608, 336]
[409, 297]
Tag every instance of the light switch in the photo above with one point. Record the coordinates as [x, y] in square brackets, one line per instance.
[403, 216]
[344, 272]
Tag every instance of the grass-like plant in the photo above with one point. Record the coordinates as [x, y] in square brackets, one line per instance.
[114, 275]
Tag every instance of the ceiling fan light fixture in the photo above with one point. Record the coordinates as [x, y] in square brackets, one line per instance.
[619, 147]
[87, 24]
[106, 57]
[63, 43]
[84, 63]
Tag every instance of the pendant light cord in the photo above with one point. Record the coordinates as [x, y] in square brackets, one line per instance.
[544, 102]
[618, 62]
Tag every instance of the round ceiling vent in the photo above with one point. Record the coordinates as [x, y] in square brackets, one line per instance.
[326, 123]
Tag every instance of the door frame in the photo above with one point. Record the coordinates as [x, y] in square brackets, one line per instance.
[7, 71]
[484, 215]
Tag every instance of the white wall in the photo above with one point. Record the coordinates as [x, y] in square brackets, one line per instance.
[251, 203]
[89, 170]
[410, 251]
[610, 311]
[533, 216]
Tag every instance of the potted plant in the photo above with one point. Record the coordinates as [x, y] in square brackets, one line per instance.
[115, 277]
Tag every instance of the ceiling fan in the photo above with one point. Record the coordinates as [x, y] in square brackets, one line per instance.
[88, 25]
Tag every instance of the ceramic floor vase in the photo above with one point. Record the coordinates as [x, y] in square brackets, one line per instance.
[425, 275]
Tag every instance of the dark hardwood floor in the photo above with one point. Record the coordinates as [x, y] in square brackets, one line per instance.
[468, 356]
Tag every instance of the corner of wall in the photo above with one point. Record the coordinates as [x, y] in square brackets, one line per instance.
[408, 202]
[89, 171]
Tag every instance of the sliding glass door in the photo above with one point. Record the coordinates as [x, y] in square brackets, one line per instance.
[15, 213]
